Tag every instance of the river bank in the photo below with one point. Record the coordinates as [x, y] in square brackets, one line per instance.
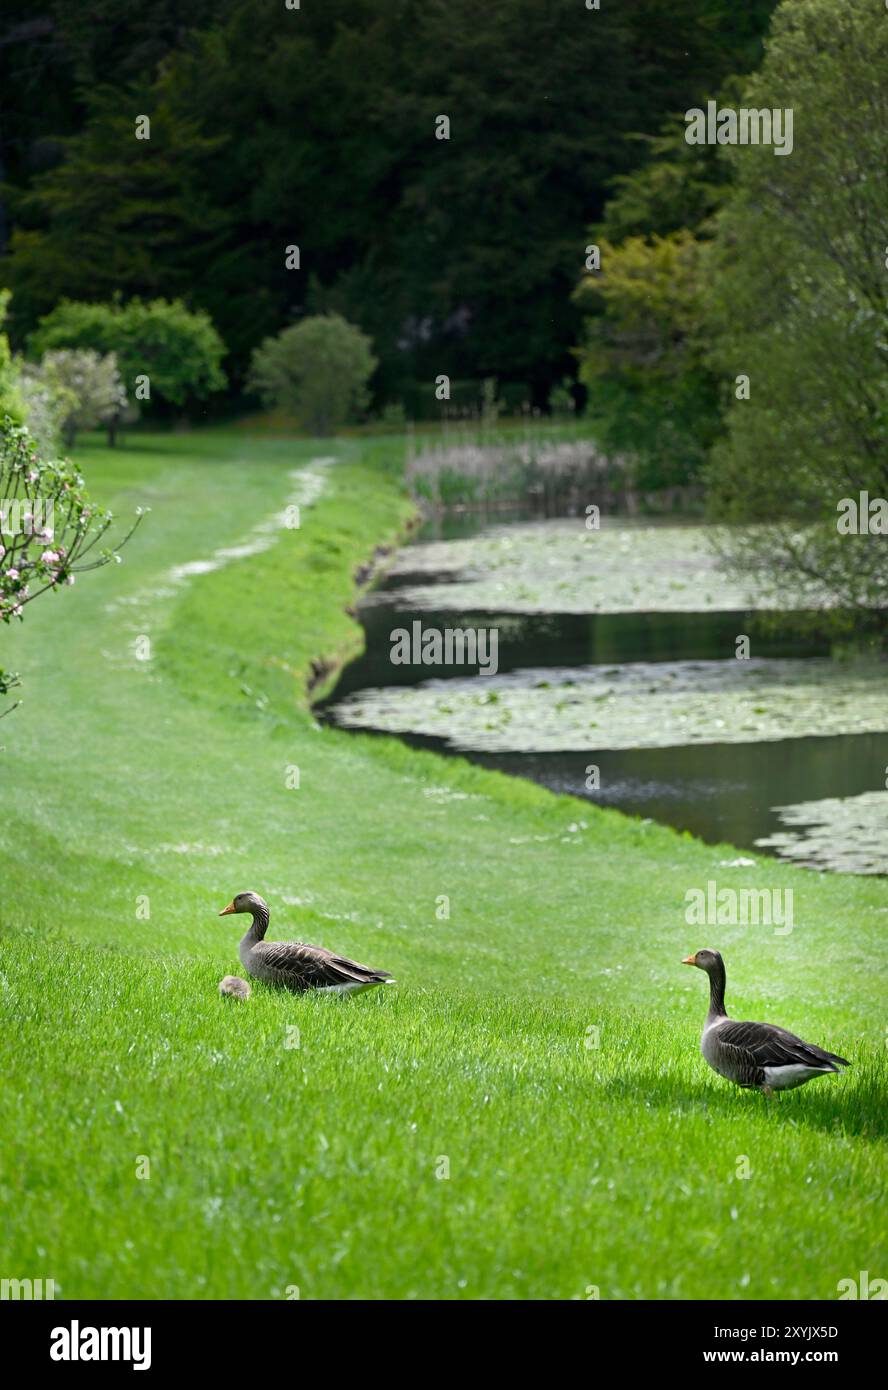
[515, 920]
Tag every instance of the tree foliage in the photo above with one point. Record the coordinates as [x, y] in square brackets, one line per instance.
[115, 214]
[455, 256]
[317, 370]
[180, 352]
[799, 304]
[88, 386]
[651, 394]
[12, 400]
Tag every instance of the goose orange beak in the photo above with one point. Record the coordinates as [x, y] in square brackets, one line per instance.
[688, 960]
[225, 911]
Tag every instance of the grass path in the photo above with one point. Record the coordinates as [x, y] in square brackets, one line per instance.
[160, 786]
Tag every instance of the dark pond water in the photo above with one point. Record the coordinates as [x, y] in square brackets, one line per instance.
[720, 792]
[558, 639]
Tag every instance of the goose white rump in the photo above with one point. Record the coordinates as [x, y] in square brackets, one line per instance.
[756, 1055]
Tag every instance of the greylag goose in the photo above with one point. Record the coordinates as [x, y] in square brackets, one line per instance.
[293, 964]
[757, 1055]
[234, 986]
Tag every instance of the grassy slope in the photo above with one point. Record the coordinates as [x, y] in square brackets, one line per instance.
[315, 1166]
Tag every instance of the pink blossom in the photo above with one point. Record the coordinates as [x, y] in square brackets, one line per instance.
[50, 557]
[12, 574]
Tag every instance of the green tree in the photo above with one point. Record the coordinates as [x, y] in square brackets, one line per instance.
[455, 256]
[91, 382]
[12, 402]
[26, 397]
[48, 404]
[116, 213]
[318, 370]
[799, 306]
[651, 394]
[179, 352]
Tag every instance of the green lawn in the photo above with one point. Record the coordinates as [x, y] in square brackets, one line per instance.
[160, 785]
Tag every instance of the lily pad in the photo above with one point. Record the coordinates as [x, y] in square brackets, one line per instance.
[639, 705]
[848, 834]
[560, 566]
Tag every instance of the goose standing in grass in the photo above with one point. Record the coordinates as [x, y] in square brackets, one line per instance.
[757, 1055]
[294, 965]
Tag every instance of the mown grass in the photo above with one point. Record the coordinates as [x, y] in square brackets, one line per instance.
[542, 1038]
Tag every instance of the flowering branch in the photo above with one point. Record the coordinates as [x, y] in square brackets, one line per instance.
[49, 530]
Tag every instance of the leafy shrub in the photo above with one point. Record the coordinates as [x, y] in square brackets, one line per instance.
[317, 370]
[179, 352]
[12, 402]
[84, 388]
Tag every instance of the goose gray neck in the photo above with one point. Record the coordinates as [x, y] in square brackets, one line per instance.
[717, 983]
[258, 926]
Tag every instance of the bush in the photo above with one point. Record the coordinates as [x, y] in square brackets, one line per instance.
[394, 416]
[318, 371]
[84, 388]
[47, 404]
[179, 352]
[12, 401]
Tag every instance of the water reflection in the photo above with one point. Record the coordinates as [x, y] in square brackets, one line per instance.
[722, 792]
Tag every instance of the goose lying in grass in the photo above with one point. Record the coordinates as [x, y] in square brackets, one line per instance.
[234, 987]
[757, 1055]
[294, 965]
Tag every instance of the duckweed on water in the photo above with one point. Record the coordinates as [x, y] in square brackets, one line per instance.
[640, 705]
[561, 567]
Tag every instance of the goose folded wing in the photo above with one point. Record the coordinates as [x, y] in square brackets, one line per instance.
[766, 1045]
[315, 965]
